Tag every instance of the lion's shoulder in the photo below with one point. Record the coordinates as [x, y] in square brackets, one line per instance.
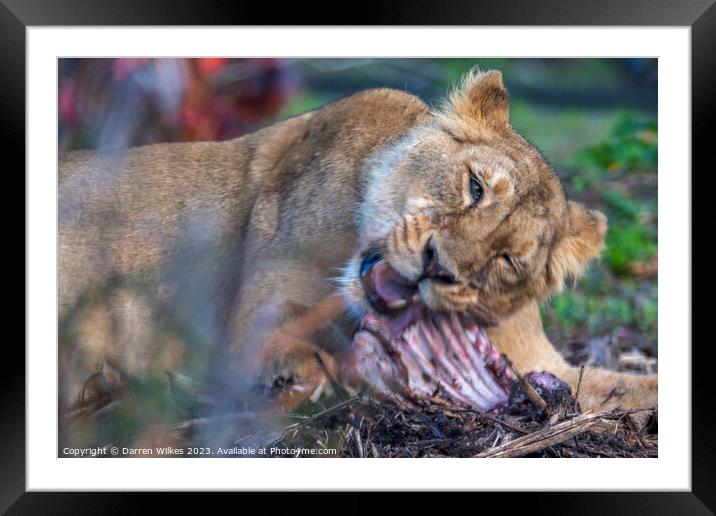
[378, 109]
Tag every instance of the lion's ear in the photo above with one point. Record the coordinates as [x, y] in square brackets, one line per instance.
[482, 96]
[582, 241]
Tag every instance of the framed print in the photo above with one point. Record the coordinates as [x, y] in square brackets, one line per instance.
[405, 246]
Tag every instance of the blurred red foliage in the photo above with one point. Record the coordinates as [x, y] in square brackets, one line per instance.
[117, 103]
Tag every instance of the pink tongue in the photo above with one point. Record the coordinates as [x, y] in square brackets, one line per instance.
[388, 284]
[405, 318]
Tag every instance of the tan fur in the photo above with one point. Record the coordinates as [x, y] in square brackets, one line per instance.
[256, 230]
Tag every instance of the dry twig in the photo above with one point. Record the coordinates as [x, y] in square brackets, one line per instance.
[532, 394]
[549, 436]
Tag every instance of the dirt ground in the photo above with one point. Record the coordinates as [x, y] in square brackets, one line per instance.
[373, 429]
[368, 428]
[358, 426]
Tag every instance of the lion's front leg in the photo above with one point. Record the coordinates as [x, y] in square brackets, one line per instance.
[277, 350]
[521, 337]
[295, 373]
[607, 390]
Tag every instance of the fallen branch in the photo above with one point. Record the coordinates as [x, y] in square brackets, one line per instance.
[579, 387]
[358, 442]
[550, 436]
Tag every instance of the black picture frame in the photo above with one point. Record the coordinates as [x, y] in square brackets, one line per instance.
[17, 15]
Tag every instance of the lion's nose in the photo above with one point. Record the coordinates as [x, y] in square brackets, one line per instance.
[433, 268]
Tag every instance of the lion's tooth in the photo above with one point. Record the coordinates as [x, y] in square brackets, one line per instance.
[398, 303]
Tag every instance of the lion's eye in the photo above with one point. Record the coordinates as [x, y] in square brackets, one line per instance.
[475, 191]
[508, 260]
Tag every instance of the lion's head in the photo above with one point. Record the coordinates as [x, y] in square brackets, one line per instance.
[464, 215]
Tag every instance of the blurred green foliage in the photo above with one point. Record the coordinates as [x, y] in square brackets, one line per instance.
[631, 147]
[617, 175]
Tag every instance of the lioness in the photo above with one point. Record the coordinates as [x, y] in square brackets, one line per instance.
[270, 237]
